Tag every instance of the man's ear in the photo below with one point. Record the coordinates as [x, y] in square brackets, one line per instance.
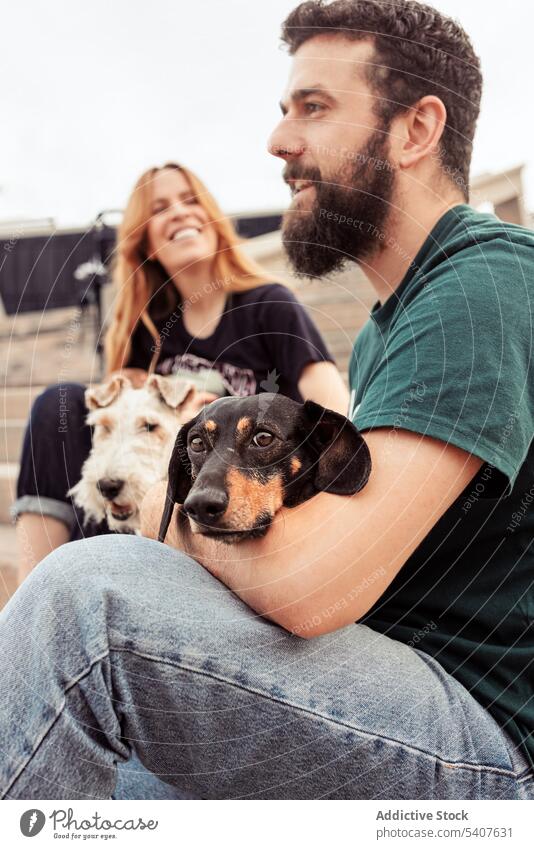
[180, 478]
[420, 131]
[102, 394]
[343, 461]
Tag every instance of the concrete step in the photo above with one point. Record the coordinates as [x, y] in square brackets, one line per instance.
[24, 324]
[11, 436]
[316, 296]
[8, 483]
[8, 561]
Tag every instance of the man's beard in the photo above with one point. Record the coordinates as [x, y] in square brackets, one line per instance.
[317, 243]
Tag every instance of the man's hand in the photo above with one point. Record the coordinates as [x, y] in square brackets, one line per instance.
[317, 556]
[213, 555]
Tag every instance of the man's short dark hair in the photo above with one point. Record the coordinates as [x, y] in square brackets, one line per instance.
[418, 51]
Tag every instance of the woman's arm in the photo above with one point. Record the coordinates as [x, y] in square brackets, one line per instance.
[322, 383]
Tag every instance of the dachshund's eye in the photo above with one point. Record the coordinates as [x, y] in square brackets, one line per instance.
[262, 439]
[196, 444]
[150, 427]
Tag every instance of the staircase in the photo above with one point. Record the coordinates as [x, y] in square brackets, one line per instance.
[15, 403]
[36, 349]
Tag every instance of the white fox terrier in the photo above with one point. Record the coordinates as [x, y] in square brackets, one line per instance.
[133, 438]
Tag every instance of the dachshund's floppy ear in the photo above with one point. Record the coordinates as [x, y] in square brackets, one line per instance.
[180, 478]
[343, 463]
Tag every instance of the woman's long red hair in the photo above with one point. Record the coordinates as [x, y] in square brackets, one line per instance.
[142, 282]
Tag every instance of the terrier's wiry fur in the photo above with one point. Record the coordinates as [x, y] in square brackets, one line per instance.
[134, 433]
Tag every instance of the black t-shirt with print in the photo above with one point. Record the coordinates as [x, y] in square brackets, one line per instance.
[262, 342]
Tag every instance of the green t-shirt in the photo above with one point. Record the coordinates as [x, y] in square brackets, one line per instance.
[450, 355]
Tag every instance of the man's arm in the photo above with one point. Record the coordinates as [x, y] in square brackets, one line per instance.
[316, 557]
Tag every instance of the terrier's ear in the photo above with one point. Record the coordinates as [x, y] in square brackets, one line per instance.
[173, 391]
[342, 458]
[103, 394]
[180, 478]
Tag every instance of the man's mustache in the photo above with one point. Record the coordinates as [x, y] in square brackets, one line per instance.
[294, 172]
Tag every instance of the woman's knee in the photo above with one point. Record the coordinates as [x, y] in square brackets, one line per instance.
[56, 443]
[59, 401]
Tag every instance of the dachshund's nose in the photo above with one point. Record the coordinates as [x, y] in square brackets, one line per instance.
[206, 506]
[109, 488]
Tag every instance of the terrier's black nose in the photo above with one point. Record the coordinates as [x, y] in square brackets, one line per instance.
[206, 506]
[109, 488]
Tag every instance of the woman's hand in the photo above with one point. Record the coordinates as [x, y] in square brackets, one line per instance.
[137, 376]
[198, 400]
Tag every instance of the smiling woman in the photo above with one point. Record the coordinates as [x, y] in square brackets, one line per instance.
[178, 257]
[189, 303]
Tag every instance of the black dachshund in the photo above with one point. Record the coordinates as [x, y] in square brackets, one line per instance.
[240, 459]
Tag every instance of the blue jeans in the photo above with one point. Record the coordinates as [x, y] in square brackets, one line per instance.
[118, 645]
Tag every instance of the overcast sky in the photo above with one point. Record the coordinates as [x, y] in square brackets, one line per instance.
[95, 92]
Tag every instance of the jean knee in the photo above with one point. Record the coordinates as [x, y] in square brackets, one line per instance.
[124, 559]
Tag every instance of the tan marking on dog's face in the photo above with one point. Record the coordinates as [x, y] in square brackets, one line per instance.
[105, 420]
[249, 498]
[243, 424]
[210, 426]
[124, 449]
[296, 465]
[158, 432]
